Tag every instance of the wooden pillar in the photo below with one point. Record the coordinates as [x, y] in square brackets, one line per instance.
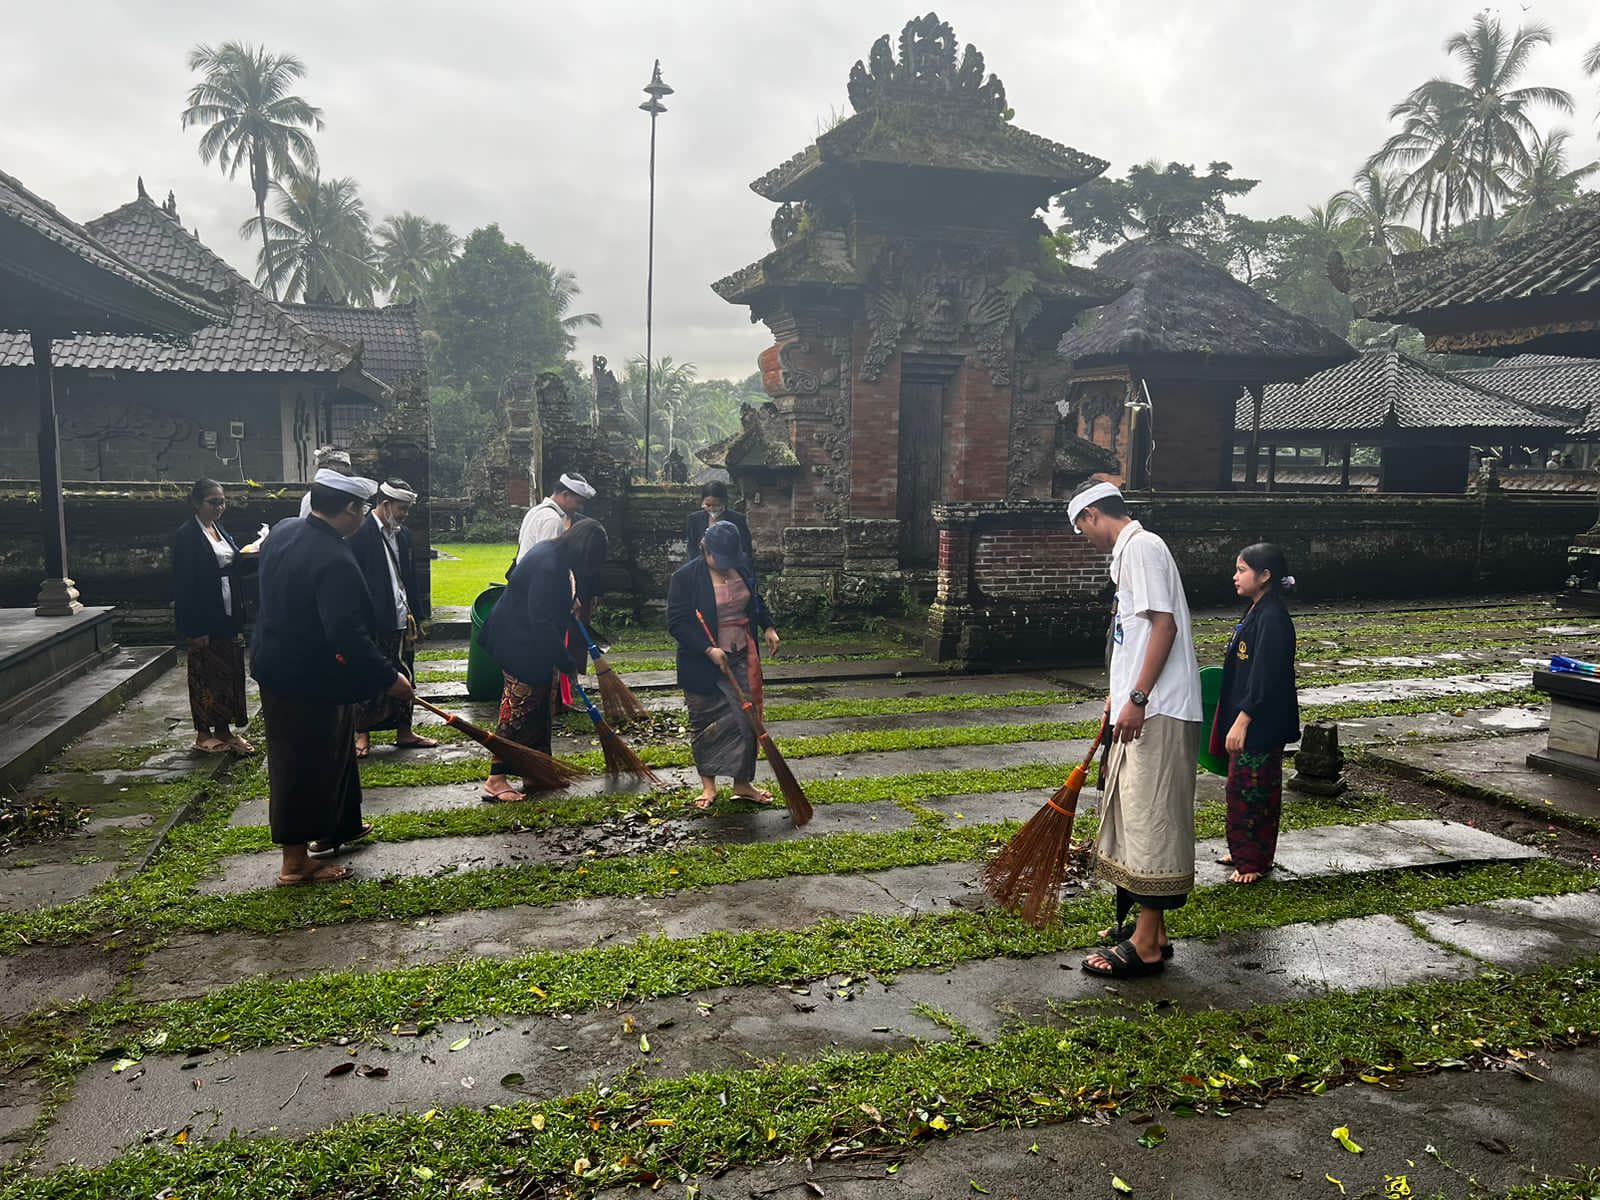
[1344, 469]
[57, 595]
[1253, 451]
[1272, 466]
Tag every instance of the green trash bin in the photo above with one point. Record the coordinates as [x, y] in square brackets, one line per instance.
[484, 678]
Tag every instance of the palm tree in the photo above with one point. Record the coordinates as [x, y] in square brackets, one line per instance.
[319, 246]
[1429, 144]
[1591, 60]
[1548, 184]
[251, 120]
[1378, 205]
[563, 290]
[1495, 125]
[411, 250]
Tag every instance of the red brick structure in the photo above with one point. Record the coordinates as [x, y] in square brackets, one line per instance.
[915, 302]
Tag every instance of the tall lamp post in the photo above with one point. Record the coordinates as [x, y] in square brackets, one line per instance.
[653, 91]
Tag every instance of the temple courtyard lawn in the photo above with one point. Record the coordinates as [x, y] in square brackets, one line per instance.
[470, 567]
[609, 988]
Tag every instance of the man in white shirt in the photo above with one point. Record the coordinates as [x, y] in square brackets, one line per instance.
[1145, 846]
[552, 516]
[329, 458]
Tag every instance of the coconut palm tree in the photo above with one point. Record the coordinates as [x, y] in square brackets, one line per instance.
[1548, 184]
[411, 250]
[319, 246]
[564, 290]
[1429, 146]
[1378, 205]
[1494, 115]
[251, 119]
[1591, 60]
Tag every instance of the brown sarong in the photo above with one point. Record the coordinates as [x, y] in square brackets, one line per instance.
[524, 717]
[314, 784]
[216, 683]
[385, 711]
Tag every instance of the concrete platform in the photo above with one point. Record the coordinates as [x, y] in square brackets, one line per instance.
[1497, 766]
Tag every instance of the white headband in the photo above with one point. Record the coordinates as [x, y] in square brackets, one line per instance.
[390, 492]
[578, 485]
[1085, 498]
[352, 485]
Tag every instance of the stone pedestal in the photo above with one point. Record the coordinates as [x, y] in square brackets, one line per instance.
[1319, 763]
[1573, 748]
[57, 598]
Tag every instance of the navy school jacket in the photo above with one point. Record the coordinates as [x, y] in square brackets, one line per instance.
[1258, 678]
[527, 631]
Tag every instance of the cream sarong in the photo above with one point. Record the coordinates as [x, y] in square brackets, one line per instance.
[1146, 840]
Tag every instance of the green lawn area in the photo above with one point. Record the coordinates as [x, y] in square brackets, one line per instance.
[475, 567]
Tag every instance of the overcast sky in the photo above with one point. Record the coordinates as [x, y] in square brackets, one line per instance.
[524, 112]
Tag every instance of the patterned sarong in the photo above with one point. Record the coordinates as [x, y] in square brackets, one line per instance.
[216, 683]
[1255, 804]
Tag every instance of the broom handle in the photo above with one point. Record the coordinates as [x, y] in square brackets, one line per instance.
[450, 718]
[594, 713]
[594, 648]
[744, 701]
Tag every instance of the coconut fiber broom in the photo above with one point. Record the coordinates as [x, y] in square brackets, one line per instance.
[616, 697]
[619, 756]
[1025, 877]
[539, 772]
[793, 794]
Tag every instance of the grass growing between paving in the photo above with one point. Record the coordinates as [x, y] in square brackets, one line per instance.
[348, 1004]
[667, 1129]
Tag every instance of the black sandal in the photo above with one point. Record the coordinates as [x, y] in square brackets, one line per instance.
[1123, 932]
[1125, 963]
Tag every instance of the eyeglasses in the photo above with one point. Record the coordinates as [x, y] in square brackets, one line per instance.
[215, 501]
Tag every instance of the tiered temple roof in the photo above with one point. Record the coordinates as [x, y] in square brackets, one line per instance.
[1563, 386]
[390, 338]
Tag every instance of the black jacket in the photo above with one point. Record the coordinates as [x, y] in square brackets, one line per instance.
[694, 528]
[526, 633]
[314, 634]
[1258, 678]
[372, 556]
[691, 590]
[197, 583]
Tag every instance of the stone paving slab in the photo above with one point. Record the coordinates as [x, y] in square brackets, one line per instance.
[41, 977]
[1376, 690]
[718, 1029]
[1500, 765]
[1518, 934]
[1281, 1150]
[194, 964]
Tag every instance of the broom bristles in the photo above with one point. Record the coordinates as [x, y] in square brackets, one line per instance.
[617, 700]
[620, 757]
[539, 771]
[794, 796]
[1026, 876]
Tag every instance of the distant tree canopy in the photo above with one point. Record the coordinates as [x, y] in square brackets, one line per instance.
[495, 311]
[1172, 202]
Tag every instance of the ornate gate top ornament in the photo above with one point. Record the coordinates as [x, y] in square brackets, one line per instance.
[926, 64]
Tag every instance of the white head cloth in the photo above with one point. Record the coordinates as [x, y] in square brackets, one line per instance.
[389, 492]
[354, 485]
[331, 454]
[579, 485]
[1088, 496]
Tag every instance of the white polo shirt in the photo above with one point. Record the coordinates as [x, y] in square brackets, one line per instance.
[1148, 582]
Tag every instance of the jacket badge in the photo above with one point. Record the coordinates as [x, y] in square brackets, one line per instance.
[1244, 652]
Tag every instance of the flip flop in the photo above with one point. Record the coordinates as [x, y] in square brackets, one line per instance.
[703, 804]
[209, 745]
[506, 795]
[1124, 932]
[241, 745]
[1125, 963]
[761, 798]
[417, 742]
[329, 849]
[327, 873]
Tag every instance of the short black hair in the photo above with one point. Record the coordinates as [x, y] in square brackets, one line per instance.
[1112, 506]
[714, 487]
[330, 501]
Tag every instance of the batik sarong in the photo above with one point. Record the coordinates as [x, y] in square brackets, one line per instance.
[524, 717]
[1255, 806]
[216, 683]
[721, 736]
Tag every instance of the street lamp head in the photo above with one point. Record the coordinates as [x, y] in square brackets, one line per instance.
[653, 106]
[656, 89]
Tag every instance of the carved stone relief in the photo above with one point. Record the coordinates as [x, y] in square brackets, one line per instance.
[937, 296]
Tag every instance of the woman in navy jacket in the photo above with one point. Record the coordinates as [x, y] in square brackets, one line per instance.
[1259, 711]
[208, 607]
[720, 586]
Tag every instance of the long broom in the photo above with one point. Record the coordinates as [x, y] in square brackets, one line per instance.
[619, 756]
[1026, 876]
[793, 794]
[539, 771]
[616, 697]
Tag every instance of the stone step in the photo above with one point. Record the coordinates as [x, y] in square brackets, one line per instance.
[727, 1028]
[1497, 766]
[192, 965]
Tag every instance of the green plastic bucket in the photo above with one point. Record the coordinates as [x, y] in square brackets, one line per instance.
[1210, 697]
[484, 678]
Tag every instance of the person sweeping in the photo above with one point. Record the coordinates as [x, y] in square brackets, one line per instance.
[1145, 845]
[527, 635]
[1259, 712]
[720, 584]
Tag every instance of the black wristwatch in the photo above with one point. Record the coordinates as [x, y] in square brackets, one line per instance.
[1138, 697]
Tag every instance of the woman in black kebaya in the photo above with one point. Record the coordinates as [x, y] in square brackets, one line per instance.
[1259, 712]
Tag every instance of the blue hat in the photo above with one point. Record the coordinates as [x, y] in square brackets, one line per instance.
[725, 546]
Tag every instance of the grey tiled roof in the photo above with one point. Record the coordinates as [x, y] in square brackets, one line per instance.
[1567, 387]
[390, 338]
[259, 337]
[1386, 391]
[91, 284]
[1559, 258]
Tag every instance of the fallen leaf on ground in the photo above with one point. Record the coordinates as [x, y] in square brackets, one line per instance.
[513, 1079]
[1335, 1183]
[1119, 1184]
[343, 1068]
[1342, 1136]
[537, 1121]
[460, 1044]
[1153, 1137]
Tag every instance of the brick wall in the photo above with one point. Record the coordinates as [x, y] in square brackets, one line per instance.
[875, 444]
[1016, 585]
